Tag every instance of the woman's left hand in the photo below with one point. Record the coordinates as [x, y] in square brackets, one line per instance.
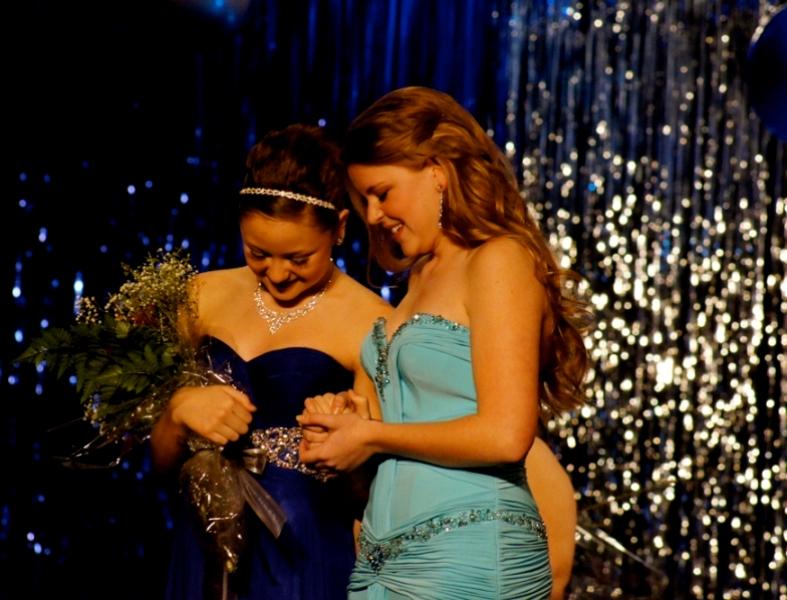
[344, 446]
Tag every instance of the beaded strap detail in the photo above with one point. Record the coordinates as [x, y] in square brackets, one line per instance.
[279, 446]
[376, 555]
[382, 376]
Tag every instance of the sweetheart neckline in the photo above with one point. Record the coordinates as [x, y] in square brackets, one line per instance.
[212, 339]
[412, 320]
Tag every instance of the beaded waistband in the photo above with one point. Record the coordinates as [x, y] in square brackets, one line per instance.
[279, 446]
[376, 555]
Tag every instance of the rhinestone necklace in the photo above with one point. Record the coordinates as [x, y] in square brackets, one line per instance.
[277, 319]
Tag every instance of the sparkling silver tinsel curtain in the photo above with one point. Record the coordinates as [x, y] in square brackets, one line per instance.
[663, 188]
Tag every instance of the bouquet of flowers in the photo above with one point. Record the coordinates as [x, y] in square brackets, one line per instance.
[129, 356]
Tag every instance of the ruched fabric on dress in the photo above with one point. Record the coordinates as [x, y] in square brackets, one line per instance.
[439, 569]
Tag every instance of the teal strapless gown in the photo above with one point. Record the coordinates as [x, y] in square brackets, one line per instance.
[432, 532]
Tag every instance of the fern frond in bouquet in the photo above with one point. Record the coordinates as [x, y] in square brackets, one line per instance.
[130, 354]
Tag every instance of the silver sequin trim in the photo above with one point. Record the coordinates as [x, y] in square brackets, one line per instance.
[280, 446]
[378, 554]
[382, 377]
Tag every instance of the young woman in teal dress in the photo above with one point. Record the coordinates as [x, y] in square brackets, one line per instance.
[286, 326]
[486, 340]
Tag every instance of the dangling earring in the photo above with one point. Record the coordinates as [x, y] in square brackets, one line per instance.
[440, 212]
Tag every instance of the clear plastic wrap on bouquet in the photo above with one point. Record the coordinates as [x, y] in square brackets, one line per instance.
[218, 489]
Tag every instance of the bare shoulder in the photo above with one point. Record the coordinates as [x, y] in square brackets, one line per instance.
[501, 280]
[223, 281]
[221, 288]
[501, 259]
[226, 276]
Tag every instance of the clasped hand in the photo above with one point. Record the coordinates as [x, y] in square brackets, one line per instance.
[334, 431]
[219, 413]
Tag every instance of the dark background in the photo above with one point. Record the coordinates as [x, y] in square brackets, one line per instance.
[630, 125]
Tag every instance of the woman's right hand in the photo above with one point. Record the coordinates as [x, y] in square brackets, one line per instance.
[219, 413]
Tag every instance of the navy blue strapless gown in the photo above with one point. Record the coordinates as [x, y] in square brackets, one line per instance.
[313, 557]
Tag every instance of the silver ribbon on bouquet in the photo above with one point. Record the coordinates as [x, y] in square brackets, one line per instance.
[219, 488]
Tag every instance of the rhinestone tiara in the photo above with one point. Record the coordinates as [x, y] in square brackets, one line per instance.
[287, 194]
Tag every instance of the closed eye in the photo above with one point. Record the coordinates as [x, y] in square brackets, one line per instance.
[296, 260]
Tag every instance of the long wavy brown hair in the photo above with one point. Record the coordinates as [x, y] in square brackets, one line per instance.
[415, 127]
